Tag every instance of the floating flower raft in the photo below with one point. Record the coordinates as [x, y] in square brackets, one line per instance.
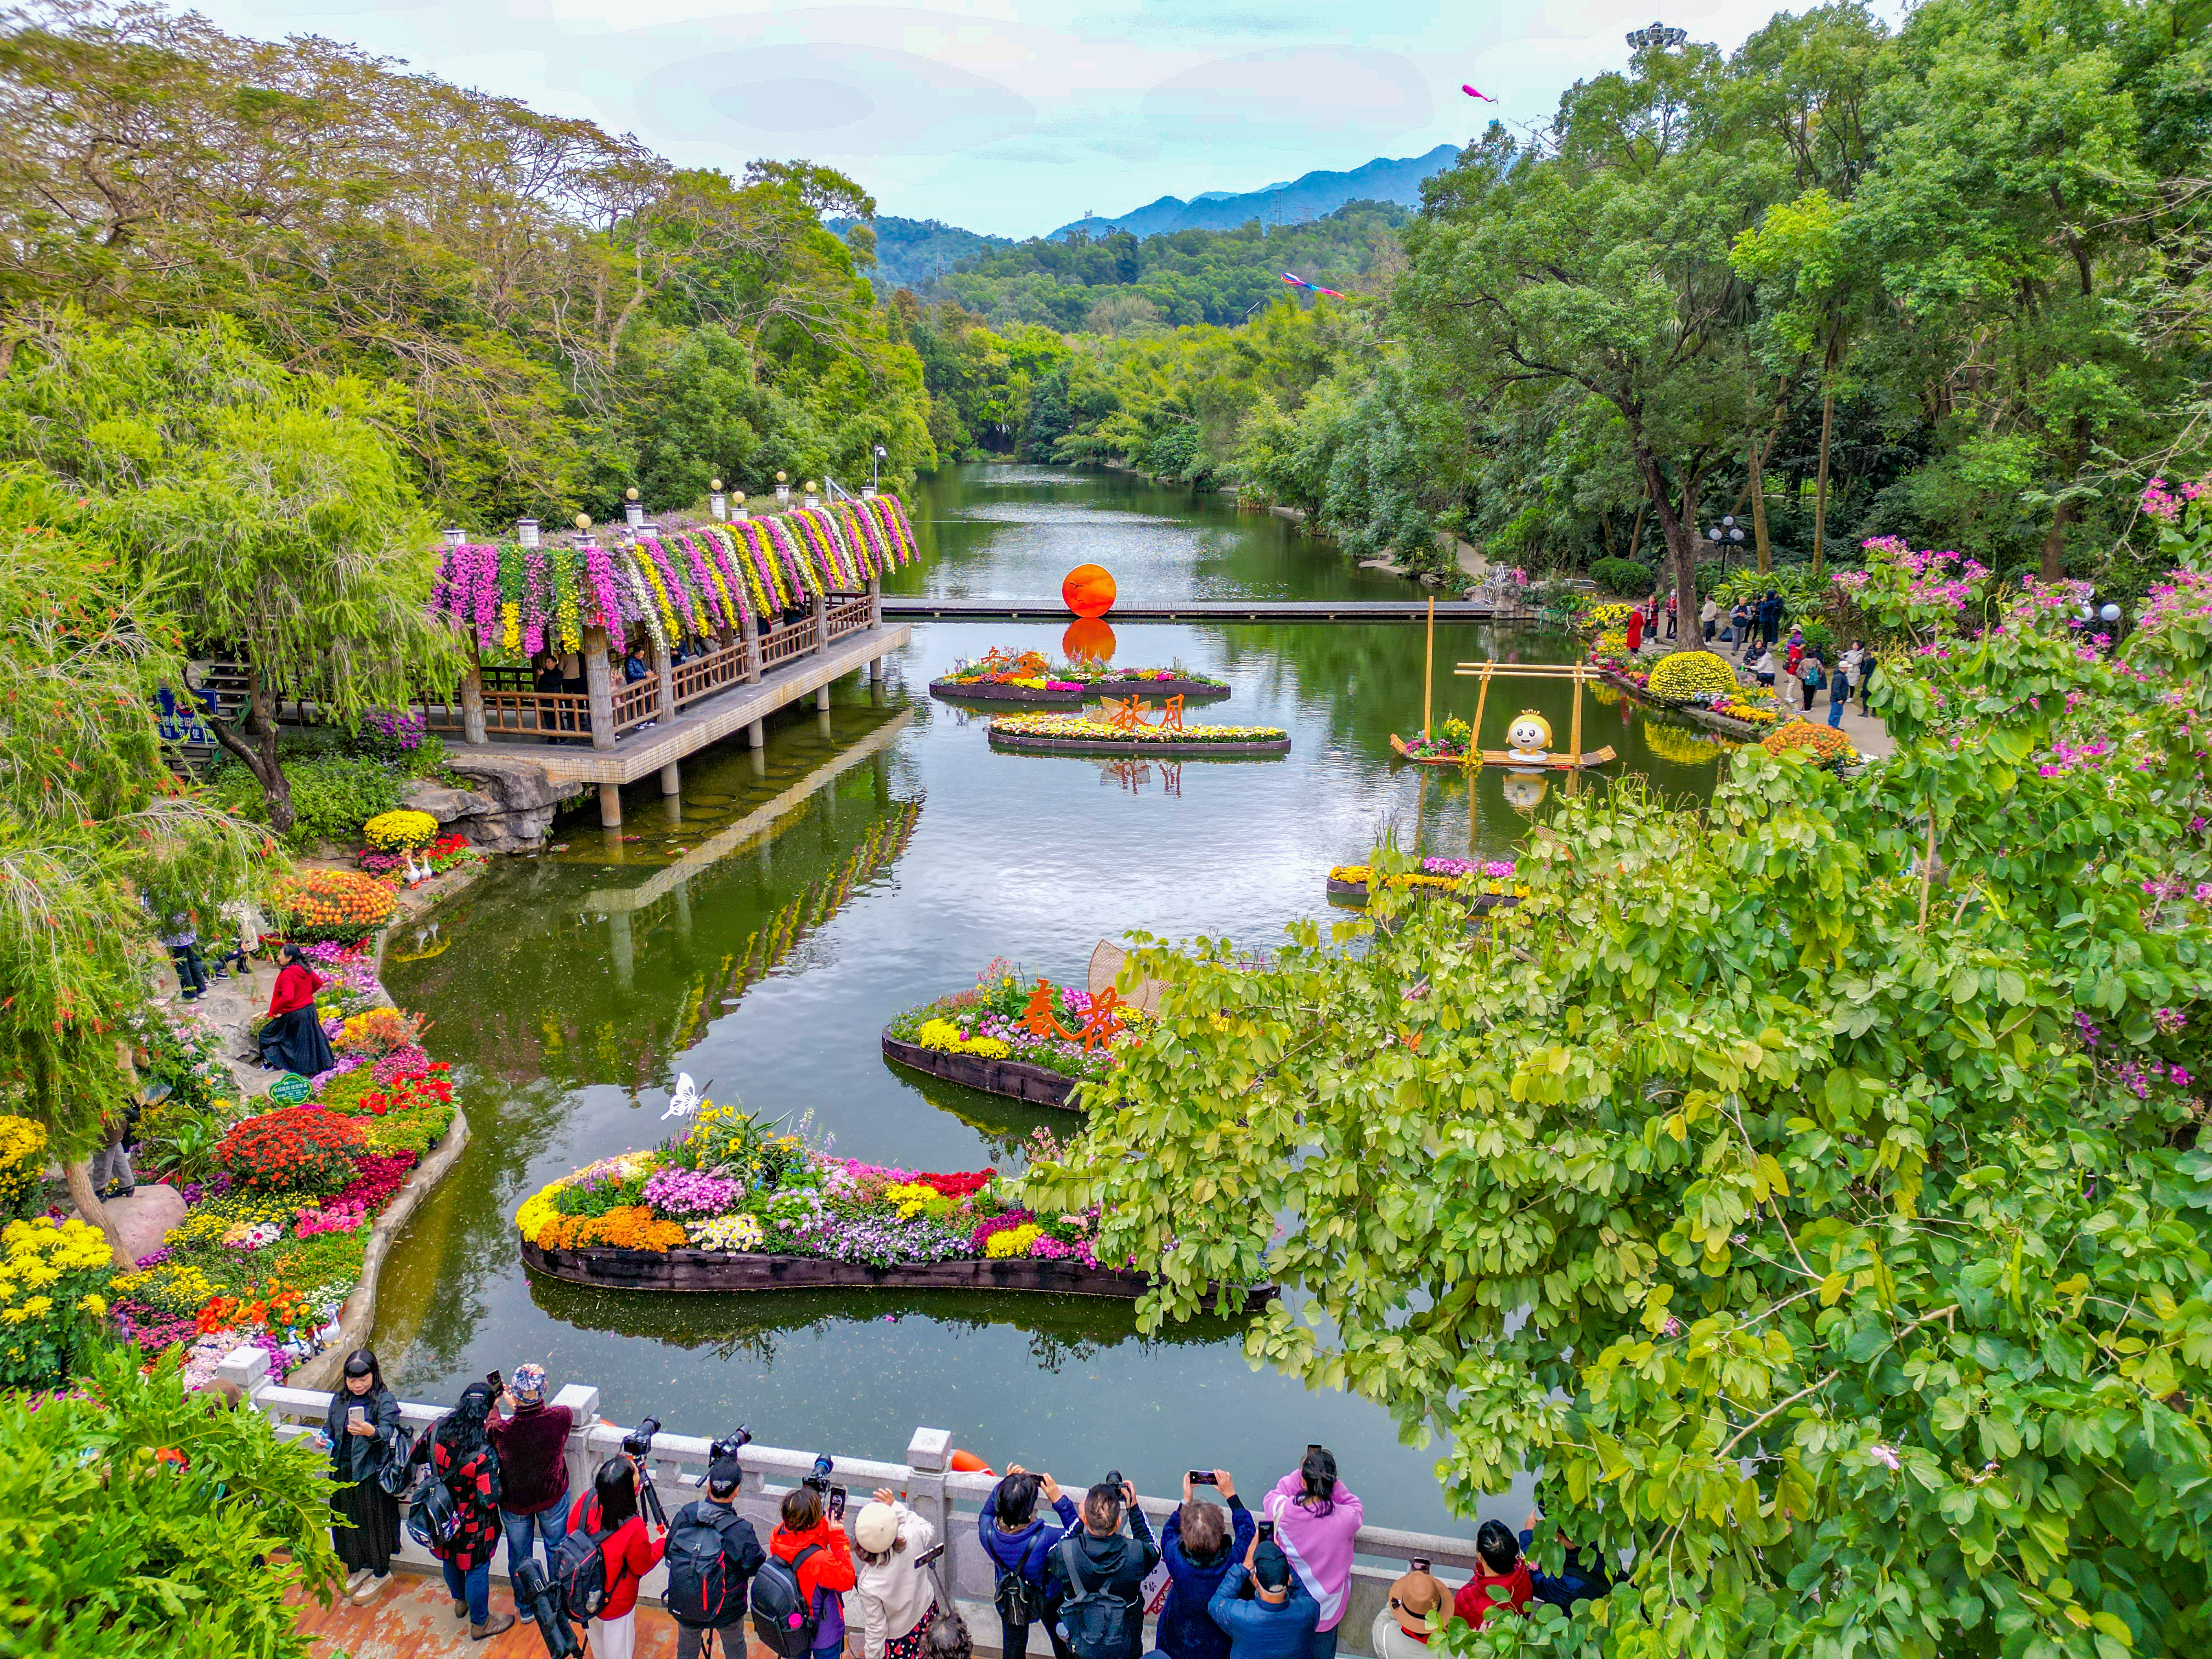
[1082, 734]
[1026, 677]
[1485, 884]
[734, 1205]
[1028, 1040]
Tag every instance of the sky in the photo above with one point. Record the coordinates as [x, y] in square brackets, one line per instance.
[1013, 116]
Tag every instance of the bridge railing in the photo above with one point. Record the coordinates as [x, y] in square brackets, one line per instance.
[951, 1501]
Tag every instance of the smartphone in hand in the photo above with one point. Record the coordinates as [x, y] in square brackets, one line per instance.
[1203, 1478]
[1267, 1532]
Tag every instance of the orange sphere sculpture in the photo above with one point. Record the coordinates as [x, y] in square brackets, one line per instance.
[1089, 590]
[1088, 639]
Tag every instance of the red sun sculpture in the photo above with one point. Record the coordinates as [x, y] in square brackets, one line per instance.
[1089, 590]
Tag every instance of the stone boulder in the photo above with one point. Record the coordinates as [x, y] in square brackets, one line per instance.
[509, 810]
[144, 1217]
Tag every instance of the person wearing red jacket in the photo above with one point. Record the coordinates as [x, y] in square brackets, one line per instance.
[1501, 1583]
[611, 1507]
[824, 1575]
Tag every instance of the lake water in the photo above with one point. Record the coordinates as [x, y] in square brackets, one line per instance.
[876, 856]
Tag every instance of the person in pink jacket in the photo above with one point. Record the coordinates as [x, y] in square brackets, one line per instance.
[1316, 1518]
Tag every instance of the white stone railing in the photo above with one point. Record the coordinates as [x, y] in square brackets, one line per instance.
[950, 1500]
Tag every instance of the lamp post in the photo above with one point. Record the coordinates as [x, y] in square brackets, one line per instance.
[875, 458]
[1726, 535]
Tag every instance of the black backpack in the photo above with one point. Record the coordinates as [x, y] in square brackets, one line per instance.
[579, 1573]
[1019, 1602]
[712, 1554]
[1095, 1622]
[783, 1613]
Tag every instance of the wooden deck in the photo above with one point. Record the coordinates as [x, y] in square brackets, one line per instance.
[640, 753]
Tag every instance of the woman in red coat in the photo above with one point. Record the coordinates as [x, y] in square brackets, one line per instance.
[1635, 631]
[611, 1508]
[293, 1039]
[462, 1457]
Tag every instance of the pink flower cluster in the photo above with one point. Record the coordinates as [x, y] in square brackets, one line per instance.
[688, 1192]
[2161, 503]
[329, 1219]
[2073, 757]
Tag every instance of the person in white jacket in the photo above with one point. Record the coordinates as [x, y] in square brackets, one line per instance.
[897, 1600]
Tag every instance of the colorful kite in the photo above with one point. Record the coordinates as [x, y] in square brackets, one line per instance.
[1472, 92]
[1311, 288]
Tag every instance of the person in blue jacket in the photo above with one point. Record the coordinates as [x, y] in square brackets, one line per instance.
[1018, 1544]
[1278, 1622]
[1577, 1579]
[1199, 1543]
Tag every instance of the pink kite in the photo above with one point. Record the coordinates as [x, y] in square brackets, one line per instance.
[1300, 282]
[1472, 92]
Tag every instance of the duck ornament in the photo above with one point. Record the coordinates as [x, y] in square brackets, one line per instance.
[1528, 739]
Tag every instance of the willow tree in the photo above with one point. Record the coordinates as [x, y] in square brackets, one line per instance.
[1807, 1189]
[271, 507]
[97, 837]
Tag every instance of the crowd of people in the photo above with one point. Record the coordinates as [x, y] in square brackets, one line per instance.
[1239, 1585]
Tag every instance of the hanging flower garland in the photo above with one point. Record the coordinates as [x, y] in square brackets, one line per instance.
[720, 611]
[890, 514]
[676, 609]
[606, 594]
[867, 535]
[510, 597]
[738, 602]
[537, 599]
[760, 565]
[804, 579]
[654, 607]
[568, 605]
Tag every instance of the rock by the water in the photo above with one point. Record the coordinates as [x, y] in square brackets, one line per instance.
[144, 1217]
[510, 810]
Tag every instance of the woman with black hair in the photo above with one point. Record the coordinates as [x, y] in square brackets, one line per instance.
[608, 1512]
[361, 1432]
[293, 1039]
[461, 1457]
[1018, 1543]
[1316, 1518]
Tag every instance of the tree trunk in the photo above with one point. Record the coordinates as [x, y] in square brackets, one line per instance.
[1820, 478]
[1759, 540]
[1680, 534]
[260, 755]
[78, 1174]
[2064, 513]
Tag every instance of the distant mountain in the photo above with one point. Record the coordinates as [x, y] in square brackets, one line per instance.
[1292, 203]
[914, 252]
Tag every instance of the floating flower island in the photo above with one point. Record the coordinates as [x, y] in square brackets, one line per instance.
[1484, 883]
[1028, 1040]
[1698, 685]
[734, 1205]
[1083, 734]
[1026, 677]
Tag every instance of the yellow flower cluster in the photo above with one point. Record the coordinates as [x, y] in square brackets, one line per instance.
[1013, 1242]
[211, 1222]
[1606, 617]
[391, 832]
[35, 1258]
[177, 1288]
[944, 1037]
[1685, 674]
[22, 1153]
[915, 1198]
[632, 1227]
[726, 1232]
[537, 1214]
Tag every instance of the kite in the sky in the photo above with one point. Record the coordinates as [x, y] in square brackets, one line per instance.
[1300, 282]
[1472, 92]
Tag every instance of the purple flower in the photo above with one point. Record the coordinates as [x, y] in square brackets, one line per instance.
[688, 1192]
[1886, 1456]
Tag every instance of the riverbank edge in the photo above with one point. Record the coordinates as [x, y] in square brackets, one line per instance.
[357, 1313]
[1740, 731]
[687, 1272]
[1035, 1086]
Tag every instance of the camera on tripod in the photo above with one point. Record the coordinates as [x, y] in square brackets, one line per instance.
[729, 1445]
[833, 1498]
[638, 1444]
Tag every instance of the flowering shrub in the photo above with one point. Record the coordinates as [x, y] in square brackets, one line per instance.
[1007, 1015]
[688, 1193]
[297, 1149]
[336, 905]
[54, 1283]
[1681, 676]
[395, 832]
[22, 1155]
[1828, 745]
[377, 1032]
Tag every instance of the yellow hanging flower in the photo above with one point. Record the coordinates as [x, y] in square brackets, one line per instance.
[510, 620]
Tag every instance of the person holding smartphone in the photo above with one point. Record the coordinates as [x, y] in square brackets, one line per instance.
[361, 1431]
[532, 1439]
[1317, 1519]
[1199, 1544]
[1018, 1540]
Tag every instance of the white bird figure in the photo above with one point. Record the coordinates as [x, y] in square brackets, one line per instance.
[686, 1101]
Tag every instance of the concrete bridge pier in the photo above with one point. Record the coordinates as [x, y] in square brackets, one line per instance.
[757, 734]
[671, 781]
[610, 806]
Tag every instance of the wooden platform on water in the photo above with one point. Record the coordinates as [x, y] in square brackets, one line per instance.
[640, 753]
[905, 607]
[1510, 762]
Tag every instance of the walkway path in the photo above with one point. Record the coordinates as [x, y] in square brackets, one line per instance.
[414, 1620]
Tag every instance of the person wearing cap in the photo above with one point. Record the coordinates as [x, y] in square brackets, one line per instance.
[1401, 1628]
[531, 1440]
[1199, 1545]
[1277, 1621]
[897, 1601]
[740, 1545]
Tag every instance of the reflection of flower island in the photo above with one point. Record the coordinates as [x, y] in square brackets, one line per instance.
[732, 1205]
[1031, 1042]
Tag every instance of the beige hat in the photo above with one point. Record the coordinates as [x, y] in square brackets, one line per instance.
[1412, 1598]
[877, 1528]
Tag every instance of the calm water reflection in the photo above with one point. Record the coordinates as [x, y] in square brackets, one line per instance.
[759, 931]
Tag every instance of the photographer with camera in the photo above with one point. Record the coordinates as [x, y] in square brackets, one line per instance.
[1019, 1544]
[897, 1601]
[713, 1553]
[607, 1551]
[532, 1439]
[1095, 1578]
[797, 1595]
[1199, 1544]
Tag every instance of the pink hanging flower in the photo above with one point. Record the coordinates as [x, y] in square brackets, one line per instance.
[606, 604]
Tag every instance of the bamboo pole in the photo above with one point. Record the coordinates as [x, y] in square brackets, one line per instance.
[1429, 669]
[1481, 696]
[1575, 731]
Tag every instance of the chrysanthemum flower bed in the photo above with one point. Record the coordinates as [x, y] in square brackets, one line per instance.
[1829, 746]
[1493, 876]
[1084, 728]
[733, 1185]
[999, 1018]
[273, 1244]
